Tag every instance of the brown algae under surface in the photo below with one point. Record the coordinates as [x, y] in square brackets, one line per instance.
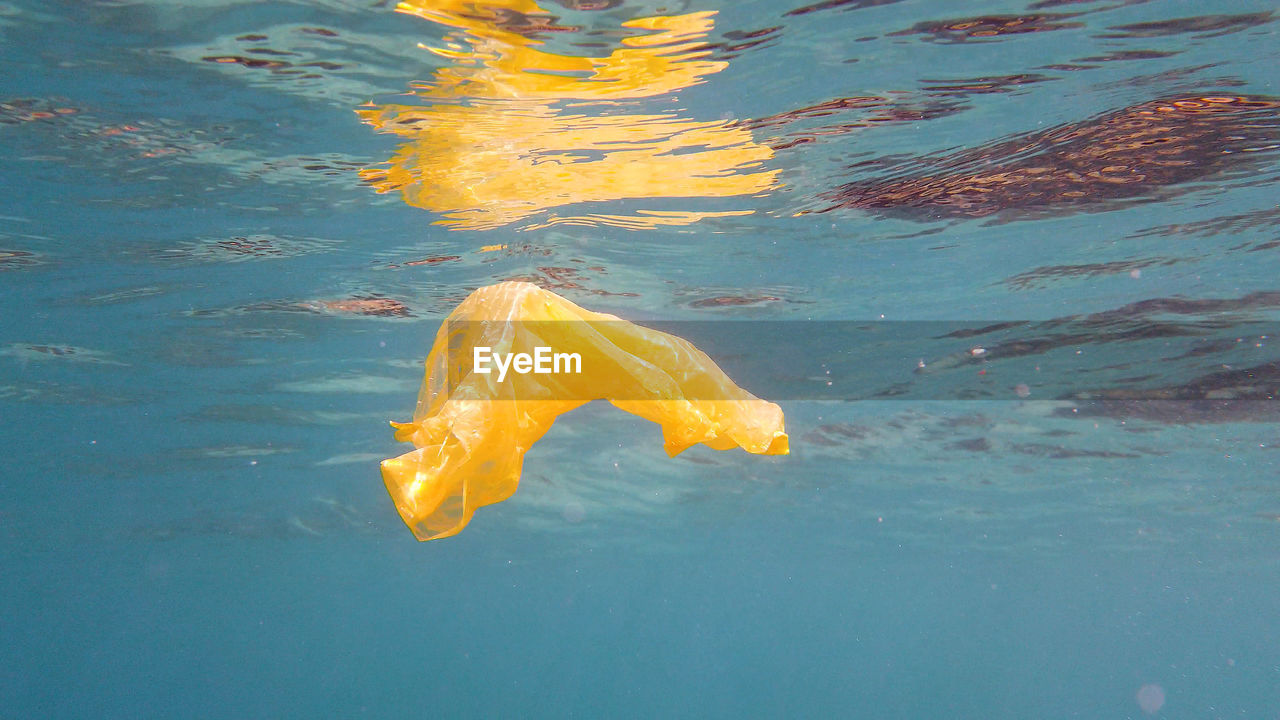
[1116, 156]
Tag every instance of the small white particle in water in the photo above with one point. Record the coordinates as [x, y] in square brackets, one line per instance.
[253, 462]
[978, 352]
[1022, 390]
[1135, 273]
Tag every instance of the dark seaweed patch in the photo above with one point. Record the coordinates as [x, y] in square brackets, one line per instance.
[17, 259]
[1041, 276]
[1120, 155]
[983, 85]
[988, 27]
[566, 278]
[1203, 25]
[1126, 55]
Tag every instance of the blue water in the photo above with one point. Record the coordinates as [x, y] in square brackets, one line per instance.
[209, 316]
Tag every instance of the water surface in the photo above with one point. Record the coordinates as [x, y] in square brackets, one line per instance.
[1033, 247]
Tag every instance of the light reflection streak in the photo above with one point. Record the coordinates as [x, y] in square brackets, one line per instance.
[510, 130]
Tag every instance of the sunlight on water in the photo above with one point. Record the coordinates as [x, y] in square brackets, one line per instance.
[509, 130]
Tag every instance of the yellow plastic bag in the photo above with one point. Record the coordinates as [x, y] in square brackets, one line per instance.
[472, 428]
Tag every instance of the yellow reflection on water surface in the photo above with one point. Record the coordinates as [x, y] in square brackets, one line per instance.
[510, 130]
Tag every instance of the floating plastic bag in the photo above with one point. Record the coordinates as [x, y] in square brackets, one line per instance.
[475, 421]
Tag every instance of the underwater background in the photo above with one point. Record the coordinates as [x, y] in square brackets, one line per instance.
[1010, 270]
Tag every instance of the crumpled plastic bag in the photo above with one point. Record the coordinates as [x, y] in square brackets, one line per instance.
[471, 430]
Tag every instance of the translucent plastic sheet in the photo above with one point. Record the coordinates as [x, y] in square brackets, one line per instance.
[471, 430]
